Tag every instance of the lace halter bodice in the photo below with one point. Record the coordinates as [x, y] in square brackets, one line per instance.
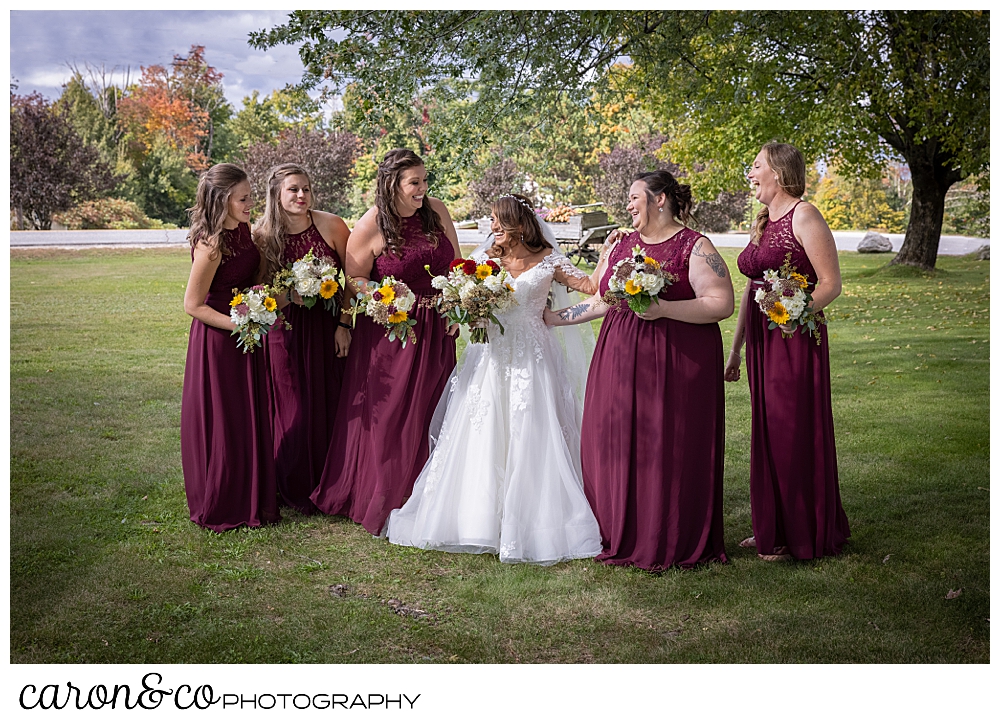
[297, 245]
[674, 256]
[776, 243]
[238, 268]
[415, 252]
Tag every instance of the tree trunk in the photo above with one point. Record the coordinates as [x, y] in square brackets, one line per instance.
[19, 214]
[923, 233]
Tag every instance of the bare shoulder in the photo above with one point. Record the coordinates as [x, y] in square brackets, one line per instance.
[439, 207]
[367, 226]
[808, 223]
[330, 225]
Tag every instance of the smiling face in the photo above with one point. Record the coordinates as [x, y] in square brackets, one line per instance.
[238, 208]
[411, 190]
[763, 180]
[296, 194]
[640, 207]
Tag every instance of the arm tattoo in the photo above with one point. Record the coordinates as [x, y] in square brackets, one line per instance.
[574, 312]
[714, 260]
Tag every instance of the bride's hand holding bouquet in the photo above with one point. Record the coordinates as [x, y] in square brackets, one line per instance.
[472, 293]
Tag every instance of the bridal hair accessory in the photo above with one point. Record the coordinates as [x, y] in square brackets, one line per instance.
[523, 203]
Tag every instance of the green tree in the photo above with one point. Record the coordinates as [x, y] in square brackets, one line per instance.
[856, 84]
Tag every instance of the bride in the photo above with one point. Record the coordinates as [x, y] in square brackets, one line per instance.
[504, 475]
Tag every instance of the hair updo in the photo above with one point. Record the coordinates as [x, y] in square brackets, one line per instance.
[678, 194]
[514, 214]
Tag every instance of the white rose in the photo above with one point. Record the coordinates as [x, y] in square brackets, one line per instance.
[405, 302]
[439, 282]
[493, 283]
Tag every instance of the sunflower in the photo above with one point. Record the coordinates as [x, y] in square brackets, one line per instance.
[388, 294]
[270, 304]
[778, 314]
[483, 271]
[397, 317]
[237, 300]
[799, 279]
[632, 288]
[328, 288]
[650, 261]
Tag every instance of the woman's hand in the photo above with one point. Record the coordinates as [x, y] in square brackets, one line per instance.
[549, 317]
[342, 341]
[295, 297]
[656, 310]
[732, 372]
[454, 329]
[786, 328]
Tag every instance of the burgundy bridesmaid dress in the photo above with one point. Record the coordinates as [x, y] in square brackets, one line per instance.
[654, 427]
[389, 394]
[305, 379]
[794, 493]
[226, 444]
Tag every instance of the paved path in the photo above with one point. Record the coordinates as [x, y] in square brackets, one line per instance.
[148, 238]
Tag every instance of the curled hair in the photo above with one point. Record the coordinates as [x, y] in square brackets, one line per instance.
[390, 223]
[678, 194]
[269, 232]
[514, 215]
[790, 167]
[211, 207]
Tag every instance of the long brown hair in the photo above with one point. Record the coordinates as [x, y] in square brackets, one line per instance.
[211, 207]
[390, 223]
[678, 194]
[790, 167]
[269, 231]
[513, 213]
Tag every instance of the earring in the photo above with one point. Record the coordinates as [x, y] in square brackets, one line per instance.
[661, 209]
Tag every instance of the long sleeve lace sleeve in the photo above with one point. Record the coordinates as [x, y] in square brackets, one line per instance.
[570, 276]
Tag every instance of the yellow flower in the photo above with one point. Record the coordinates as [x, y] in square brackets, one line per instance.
[650, 261]
[388, 294]
[483, 271]
[397, 317]
[509, 287]
[632, 288]
[328, 288]
[237, 300]
[802, 281]
[270, 304]
[778, 314]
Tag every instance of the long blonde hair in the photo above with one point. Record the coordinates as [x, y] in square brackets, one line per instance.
[790, 167]
[211, 207]
[270, 230]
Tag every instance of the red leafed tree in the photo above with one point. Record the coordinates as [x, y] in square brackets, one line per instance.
[175, 104]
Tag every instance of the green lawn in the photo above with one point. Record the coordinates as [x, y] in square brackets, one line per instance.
[106, 567]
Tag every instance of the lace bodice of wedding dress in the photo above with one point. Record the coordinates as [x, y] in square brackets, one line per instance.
[504, 474]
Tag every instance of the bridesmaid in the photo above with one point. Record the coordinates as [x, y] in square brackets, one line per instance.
[380, 443]
[654, 411]
[225, 427]
[306, 363]
[794, 494]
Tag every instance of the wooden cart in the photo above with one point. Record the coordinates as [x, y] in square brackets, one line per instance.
[584, 233]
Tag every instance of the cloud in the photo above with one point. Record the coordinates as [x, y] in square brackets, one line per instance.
[42, 43]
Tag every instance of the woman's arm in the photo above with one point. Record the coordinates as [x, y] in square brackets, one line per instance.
[712, 286]
[335, 233]
[811, 230]
[588, 309]
[203, 269]
[732, 372]
[577, 279]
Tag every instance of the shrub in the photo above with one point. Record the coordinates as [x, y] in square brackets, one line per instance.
[498, 179]
[618, 169]
[107, 214]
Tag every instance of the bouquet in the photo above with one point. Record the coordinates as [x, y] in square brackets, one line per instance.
[314, 278]
[472, 293]
[638, 279]
[254, 311]
[388, 303]
[787, 301]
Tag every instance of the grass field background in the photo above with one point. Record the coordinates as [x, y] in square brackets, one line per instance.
[105, 566]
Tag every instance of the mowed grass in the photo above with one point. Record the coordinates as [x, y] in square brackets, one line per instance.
[106, 567]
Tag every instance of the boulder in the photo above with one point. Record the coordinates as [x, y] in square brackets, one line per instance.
[874, 243]
[983, 253]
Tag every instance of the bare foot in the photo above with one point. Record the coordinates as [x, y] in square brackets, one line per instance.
[750, 542]
[780, 554]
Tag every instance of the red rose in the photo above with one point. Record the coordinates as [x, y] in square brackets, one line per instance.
[494, 266]
[456, 263]
[377, 296]
[469, 267]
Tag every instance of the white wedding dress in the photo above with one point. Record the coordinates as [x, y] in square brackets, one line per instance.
[504, 475]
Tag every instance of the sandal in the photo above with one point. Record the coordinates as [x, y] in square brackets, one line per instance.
[780, 554]
[750, 542]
